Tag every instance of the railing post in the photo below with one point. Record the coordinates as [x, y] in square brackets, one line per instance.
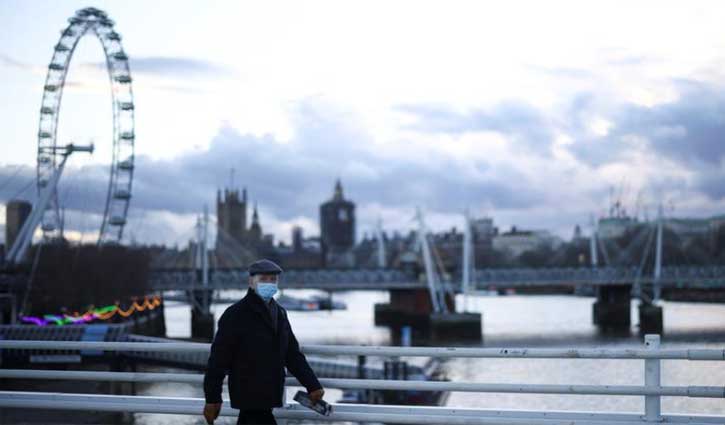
[652, 411]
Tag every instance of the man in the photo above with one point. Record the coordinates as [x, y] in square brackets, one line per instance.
[253, 344]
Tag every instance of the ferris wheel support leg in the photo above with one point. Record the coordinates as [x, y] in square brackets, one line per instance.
[25, 236]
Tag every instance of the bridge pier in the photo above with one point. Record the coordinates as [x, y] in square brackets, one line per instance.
[456, 326]
[412, 307]
[650, 319]
[160, 325]
[407, 307]
[202, 319]
[8, 308]
[612, 309]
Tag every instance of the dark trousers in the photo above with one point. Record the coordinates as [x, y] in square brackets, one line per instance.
[261, 416]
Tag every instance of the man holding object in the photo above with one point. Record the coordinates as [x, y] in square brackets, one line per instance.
[253, 344]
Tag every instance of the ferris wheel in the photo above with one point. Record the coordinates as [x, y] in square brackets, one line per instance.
[51, 156]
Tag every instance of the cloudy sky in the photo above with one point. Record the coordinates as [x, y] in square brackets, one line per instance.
[530, 112]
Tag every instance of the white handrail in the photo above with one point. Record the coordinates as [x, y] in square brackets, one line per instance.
[363, 350]
[341, 412]
[652, 390]
[386, 384]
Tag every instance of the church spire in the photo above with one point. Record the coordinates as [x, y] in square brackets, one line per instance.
[255, 229]
[338, 191]
[255, 216]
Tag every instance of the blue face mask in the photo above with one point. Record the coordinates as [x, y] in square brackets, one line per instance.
[266, 290]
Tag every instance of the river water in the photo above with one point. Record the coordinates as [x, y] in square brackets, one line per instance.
[508, 321]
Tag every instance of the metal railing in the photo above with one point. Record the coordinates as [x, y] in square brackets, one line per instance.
[652, 390]
[704, 277]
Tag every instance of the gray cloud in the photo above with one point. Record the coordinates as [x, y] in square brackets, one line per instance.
[631, 60]
[291, 179]
[712, 184]
[164, 66]
[561, 72]
[688, 131]
[17, 182]
[524, 125]
[6, 60]
[180, 66]
[170, 66]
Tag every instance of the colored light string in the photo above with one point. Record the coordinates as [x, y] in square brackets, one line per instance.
[101, 313]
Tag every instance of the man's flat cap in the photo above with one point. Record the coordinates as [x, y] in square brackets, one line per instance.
[264, 266]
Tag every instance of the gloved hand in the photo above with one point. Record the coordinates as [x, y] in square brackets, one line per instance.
[316, 395]
[211, 412]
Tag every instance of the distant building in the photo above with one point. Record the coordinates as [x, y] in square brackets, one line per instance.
[614, 227]
[689, 228]
[303, 254]
[686, 228]
[16, 213]
[516, 241]
[231, 213]
[716, 222]
[577, 234]
[337, 230]
[297, 239]
[237, 244]
[367, 251]
[483, 231]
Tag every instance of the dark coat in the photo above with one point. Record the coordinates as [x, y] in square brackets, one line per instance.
[247, 348]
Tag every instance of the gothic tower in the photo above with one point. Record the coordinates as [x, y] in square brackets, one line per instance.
[337, 230]
[231, 212]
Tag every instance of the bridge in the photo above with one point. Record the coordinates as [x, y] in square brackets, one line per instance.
[413, 295]
[651, 390]
[387, 279]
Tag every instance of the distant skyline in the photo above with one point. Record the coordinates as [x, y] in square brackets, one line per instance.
[529, 112]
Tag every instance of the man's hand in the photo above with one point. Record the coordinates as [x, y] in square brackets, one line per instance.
[316, 395]
[211, 412]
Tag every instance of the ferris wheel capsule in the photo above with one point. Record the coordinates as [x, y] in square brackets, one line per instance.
[117, 221]
[120, 56]
[124, 79]
[126, 165]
